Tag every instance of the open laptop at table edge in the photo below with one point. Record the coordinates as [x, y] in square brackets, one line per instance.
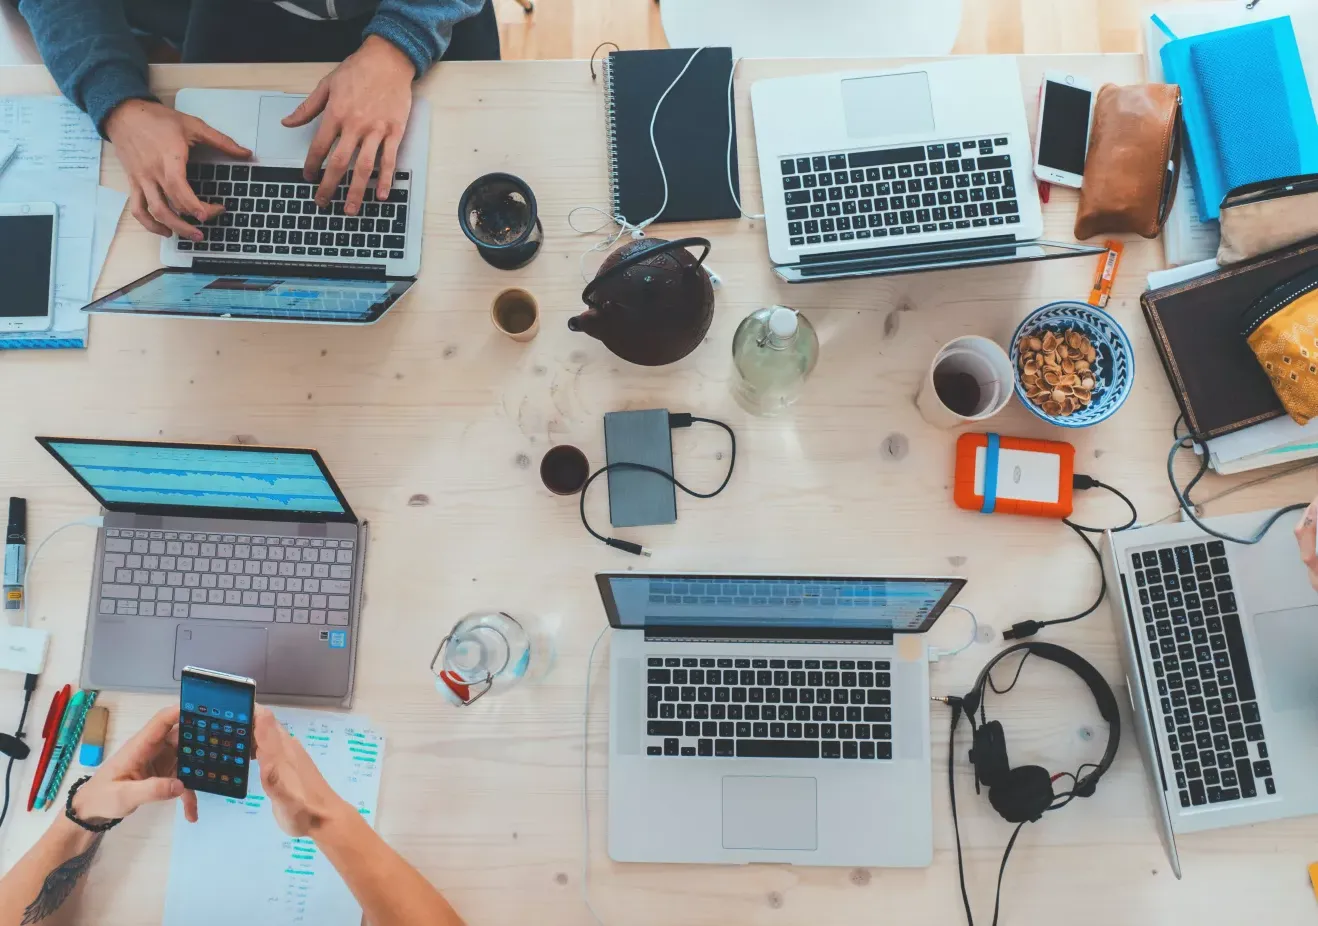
[934, 108]
[706, 807]
[1278, 613]
[299, 651]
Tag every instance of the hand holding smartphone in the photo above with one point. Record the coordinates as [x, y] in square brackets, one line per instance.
[216, 712]
[1066, 109]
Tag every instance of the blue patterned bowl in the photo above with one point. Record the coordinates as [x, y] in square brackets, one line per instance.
[1114, 368]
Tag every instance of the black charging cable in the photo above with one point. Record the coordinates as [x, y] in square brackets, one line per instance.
[1082, 483]
[1189, 441]
[14, 746]
[675, 420]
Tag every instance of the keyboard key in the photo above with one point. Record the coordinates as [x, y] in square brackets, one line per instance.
[779, 749]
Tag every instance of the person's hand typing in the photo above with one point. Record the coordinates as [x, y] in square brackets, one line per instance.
[1306, 535]
[300, 796]
[365, 101]
[143, 770]
[152, 142]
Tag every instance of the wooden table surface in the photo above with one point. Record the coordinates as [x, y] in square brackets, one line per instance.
[434, 425]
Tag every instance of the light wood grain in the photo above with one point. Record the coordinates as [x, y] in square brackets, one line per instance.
[434, 424]
[572, 28]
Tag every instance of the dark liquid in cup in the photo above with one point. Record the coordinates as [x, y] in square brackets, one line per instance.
[960, 392]
[564, 470]
[515, 312]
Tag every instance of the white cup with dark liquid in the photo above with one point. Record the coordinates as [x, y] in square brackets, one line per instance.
[969, 380]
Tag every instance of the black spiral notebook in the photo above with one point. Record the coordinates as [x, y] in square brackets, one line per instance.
[691, 132]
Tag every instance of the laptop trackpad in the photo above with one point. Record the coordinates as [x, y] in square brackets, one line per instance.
[769, 813]
[236, 650]
[274, 142]
[1288, 645]
[893, 104]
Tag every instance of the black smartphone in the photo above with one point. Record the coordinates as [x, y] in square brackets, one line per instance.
[215, 731]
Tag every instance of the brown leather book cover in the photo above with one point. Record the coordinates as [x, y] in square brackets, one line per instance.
[1196, 327]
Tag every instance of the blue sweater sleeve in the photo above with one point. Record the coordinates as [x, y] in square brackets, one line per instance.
[90, 51]
[421, 28]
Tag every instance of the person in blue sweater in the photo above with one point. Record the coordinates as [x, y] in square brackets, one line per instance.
[95, 51]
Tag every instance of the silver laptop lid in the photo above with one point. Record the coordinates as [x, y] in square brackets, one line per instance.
[770, 607]
[914, 259]
[203, 480]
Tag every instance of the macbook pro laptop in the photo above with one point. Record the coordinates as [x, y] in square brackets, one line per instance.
[274, 254]
[242, 559]
[770, 718]
[1220, 644]
[924, 167]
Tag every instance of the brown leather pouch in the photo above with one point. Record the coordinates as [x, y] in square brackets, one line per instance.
[1133, 162]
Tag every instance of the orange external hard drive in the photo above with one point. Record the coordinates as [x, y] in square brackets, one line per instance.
[1011, 475]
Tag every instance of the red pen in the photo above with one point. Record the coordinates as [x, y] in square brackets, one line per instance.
[49, 733]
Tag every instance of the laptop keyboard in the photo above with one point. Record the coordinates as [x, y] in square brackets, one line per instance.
[270, 210]
[899, 192]
[1205, 686]
[233, 577]
[769, 708]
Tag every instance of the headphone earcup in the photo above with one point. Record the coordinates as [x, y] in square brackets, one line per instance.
[989, 754]
[1022, 794]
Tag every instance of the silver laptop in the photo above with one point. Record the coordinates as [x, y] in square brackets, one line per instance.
[274, 255]
[1220, 644]
[242, 559]
[770, 718]
[925, 167]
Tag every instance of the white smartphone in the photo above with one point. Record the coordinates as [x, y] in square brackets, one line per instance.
[1066, 107]
[27, 265]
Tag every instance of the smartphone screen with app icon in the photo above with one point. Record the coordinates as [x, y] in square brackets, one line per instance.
[215, 731]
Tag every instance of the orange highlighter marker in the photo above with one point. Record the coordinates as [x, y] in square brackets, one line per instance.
[49, 733]
[1313, 878]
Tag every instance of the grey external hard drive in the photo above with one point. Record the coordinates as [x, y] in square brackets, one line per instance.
[636, 497]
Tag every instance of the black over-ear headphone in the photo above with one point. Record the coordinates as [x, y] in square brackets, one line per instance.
[1024, 793]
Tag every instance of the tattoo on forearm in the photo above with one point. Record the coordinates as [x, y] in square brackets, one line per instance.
[59, 884]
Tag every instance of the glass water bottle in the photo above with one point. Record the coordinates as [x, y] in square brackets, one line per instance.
[486, 651]
[773, 352]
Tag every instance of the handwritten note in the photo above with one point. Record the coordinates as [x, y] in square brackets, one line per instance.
[269, 877]
[52, 135]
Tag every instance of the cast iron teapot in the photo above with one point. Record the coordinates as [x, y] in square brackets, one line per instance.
[651, 301]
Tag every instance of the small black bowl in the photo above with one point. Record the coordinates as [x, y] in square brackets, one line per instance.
[498, 213]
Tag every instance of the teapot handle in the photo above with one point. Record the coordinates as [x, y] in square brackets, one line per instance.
[642, 256]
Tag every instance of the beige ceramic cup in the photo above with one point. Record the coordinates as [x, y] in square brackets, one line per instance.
[516, 313]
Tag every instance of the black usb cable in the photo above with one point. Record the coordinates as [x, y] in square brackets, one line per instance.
[1081, 483]
[675, 420]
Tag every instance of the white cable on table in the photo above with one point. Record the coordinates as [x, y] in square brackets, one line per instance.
[585, 800]
[96, 521]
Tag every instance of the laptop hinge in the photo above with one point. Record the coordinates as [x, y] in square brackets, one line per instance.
[265, 268]
[759, 635]
[930, 251]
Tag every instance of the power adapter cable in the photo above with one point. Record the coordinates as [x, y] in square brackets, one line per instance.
[675, 420]
[1081, 483]
[1189, 441]
[14, 746]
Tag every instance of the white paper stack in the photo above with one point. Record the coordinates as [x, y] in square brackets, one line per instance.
[59, 160]
[265, 876]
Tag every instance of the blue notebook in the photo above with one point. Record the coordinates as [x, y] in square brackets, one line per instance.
[1246, 104]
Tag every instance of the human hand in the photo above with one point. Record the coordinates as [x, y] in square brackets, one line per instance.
[365, 101]
[152, 142]
[1306, 535]
[299, 795]
[143, 770]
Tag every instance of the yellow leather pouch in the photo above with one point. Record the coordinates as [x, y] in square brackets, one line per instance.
[1282, 331]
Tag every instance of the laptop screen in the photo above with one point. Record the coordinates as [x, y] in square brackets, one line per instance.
[293, 298]
[829, 604]
[192, 478]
